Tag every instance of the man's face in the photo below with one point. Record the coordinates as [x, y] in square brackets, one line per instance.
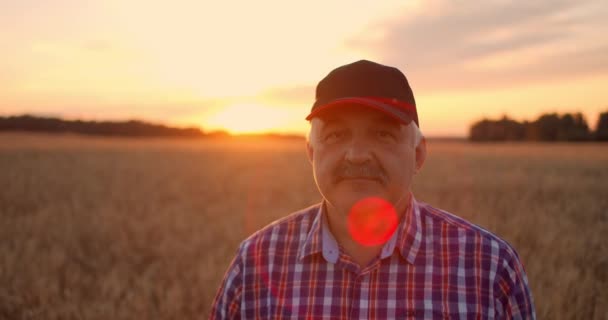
[363, 153]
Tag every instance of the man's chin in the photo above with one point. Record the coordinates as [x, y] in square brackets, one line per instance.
[346, 199]
[360, 187]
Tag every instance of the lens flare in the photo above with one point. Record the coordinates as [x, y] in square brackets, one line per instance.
[372, 221]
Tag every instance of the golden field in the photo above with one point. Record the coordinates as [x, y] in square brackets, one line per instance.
[101, 228]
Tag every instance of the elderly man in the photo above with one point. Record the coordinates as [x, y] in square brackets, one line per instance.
[370, 250]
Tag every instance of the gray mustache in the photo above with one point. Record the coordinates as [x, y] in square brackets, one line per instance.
[350, 171]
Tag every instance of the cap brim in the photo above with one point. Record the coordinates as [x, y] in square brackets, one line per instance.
[403, 115]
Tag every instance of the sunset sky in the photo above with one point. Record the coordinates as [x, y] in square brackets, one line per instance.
[252, 66]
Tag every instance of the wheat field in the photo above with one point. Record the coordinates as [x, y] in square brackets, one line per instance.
[101, 228]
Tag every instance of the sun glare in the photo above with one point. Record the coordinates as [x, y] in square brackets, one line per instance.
[247, 118]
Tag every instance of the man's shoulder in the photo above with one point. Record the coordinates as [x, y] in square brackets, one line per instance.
[292, 226]
[465, 229]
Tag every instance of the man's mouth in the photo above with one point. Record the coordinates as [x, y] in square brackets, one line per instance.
[355, 173]
[358, 178]
[372, 179]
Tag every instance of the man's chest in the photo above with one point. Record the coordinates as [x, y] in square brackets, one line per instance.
[392, 290]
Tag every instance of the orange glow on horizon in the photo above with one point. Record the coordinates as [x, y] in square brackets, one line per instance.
[247, 118]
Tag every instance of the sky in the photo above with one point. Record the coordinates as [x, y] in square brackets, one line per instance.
[252, 66]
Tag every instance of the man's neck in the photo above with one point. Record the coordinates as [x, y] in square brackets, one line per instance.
[337, 219]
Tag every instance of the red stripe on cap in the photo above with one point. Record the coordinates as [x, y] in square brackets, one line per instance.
[365, 101]
[393, 102]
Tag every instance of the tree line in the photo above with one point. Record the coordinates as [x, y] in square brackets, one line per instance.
[131, 128]
[548, 127]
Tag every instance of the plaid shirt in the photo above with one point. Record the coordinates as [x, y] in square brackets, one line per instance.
[435, 266]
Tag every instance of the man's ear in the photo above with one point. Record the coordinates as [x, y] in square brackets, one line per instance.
[420, 154]
[309, 151]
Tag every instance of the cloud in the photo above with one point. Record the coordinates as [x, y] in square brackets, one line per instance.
[463, 44]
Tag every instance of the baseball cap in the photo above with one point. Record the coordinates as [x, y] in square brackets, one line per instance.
[370, 84]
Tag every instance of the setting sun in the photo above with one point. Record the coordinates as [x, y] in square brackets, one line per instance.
[247, 118]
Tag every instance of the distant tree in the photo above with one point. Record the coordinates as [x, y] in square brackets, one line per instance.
[573, 128]
[601, 131]
[545, 128]
[504, 129]
[512, 129]
[479, 130]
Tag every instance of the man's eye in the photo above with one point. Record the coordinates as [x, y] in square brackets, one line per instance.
[334, 135]
[384, 134]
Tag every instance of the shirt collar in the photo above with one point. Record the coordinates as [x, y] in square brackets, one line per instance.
[320, 238]
[312, 243]
[410, 232]
[406, 239]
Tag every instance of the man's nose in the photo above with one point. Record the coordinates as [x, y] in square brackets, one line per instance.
[358, 151]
